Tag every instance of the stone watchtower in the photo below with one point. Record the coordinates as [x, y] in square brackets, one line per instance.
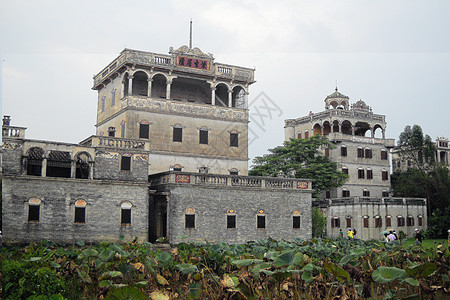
[191, 110]
[361, 147]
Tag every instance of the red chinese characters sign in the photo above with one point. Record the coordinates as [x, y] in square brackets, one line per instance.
[302, 185]
[194, 63]
[182, 178]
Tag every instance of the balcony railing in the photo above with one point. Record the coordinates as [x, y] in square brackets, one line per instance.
[13, 132]
[230, 180]
[113, 142]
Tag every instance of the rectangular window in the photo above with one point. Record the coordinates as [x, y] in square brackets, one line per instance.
[419, 221]
[388, 221]
[360, 152]
[80, 215]
[299, 135]
[33, 213]
[344, 171]
[335, 222]
[366, 193]
[368, 153]
[125, 218]
[234, 173]
[328, 194]
[125, 164]
[409, 221]
[103, 103]
[384, 175]
[177, 134]
[378, 222]
[366, 222]
[400, 221]
[231, 221]
[369, 174]
[306, 135]
[360, 173]
[113, 97]
[327, 152]
[190, 221]
[203, 137]
[234, 140]
[384, 154]
[349, 222]
[144, 131]
[345, 193]
[261, 222]
[296, 222]
[343, 151]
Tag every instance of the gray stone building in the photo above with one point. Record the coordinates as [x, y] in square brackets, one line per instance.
[362, 151]
[169, 159]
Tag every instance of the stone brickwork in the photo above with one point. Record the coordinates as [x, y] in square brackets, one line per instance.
[57, 208]
[107, 166]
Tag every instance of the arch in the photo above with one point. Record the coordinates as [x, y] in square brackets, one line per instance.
[35, 156]
[346, 127]
[361, 128]
[82, 160]
[140, 83]
[190, 90]
[221, 94]
[343, 104]
[159, 83]
[326, 128]
[378, 131]
[335, 126]
[34, 206]
[334, 104]
[238, 97]
[317, 129]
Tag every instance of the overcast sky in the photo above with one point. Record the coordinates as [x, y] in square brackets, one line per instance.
[394, 55]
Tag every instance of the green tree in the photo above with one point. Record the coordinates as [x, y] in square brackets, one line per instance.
[301, 158]
[318, 222]
[426, 179]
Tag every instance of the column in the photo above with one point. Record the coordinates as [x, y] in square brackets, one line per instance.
[340, 127]
[382, 133]
[353, 129]
[213, 96]
[73, 168]
[245, 100]
[91, 170]
[44, 167]
[230, 98]
[321, 130]
[130, 85]
[149, 87]
[372, 130]
[169, 83]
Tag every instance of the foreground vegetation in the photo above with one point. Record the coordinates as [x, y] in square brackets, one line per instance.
[320, 268]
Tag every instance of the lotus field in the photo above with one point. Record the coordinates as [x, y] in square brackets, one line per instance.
[265, 269]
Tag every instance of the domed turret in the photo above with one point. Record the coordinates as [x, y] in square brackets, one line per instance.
[336, 101]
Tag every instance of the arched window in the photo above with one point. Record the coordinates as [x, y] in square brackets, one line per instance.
[378, 221]
[82, 165]
[34, 205]
[343, 150]
[400, 221]
[409, 220]
[384, 175]
[296, 219]
[261, 219]
[125, 213]
[189, 218]
[419, 220]
[335, 222]
[388, 221]
[360, 173]
[59, 164]
[366, 221]
[384, 154]
[231, 219]
[345, 193]
[80, 212]
[348, 220]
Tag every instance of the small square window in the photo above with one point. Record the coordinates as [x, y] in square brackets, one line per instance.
[203, 137]
[296, 222]
[345, 193]
[80, 215]
[125, 164]
[33, 213]
[261, 222]
[231, 221]
[344, 171]
[190, 221]
[234, 140]
[366, 193]
[177, 134]
[234, 173]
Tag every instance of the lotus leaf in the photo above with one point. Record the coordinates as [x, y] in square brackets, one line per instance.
[388, 274]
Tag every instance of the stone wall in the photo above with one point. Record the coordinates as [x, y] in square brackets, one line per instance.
[58, 196]
[107, 166]
[211, 206]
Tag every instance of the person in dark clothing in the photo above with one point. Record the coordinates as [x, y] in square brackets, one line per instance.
[418, 235]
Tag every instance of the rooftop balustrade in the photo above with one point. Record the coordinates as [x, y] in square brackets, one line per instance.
[370, 200]
[186, 178]
[113, 142]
